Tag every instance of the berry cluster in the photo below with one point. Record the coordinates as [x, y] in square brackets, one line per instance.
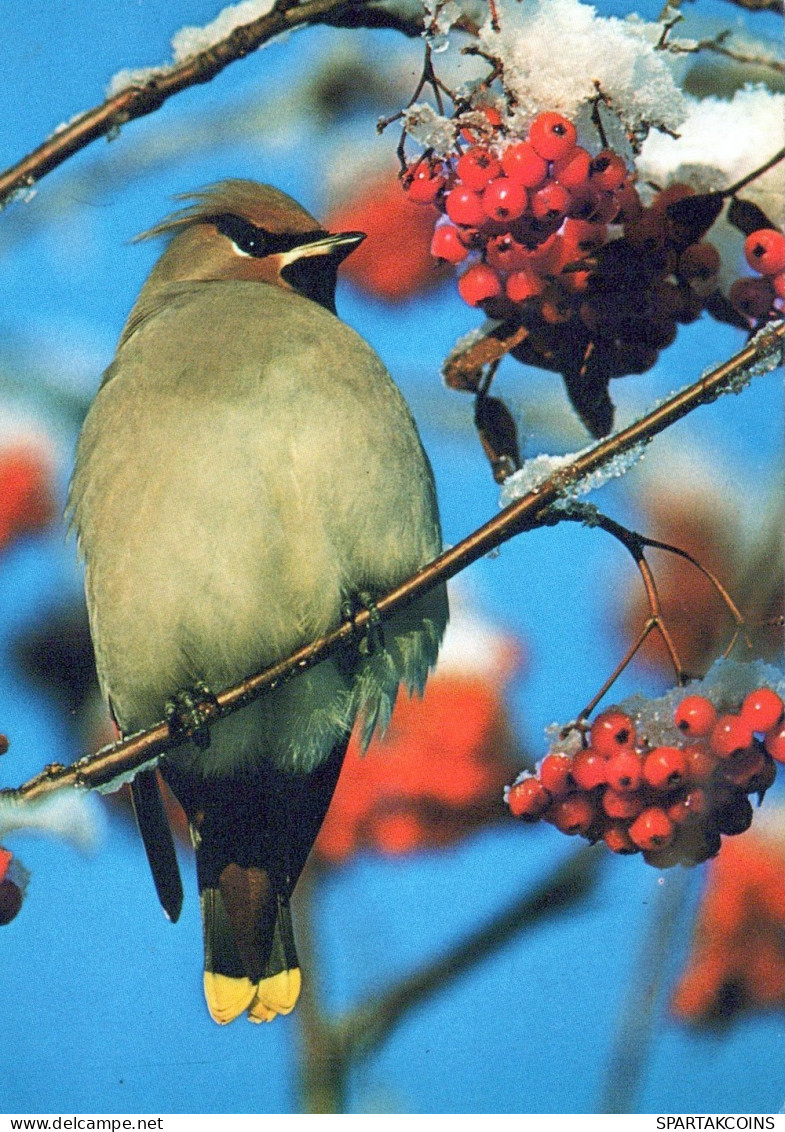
[672, 803]
[757, 298]
[558, 238]
[11, 891]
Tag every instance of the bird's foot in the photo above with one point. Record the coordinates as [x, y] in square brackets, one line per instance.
[373, 636]
[189, 713]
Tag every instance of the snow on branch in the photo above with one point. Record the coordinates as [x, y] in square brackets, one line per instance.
[112, 764]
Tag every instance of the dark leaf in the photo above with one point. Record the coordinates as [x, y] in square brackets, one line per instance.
[588, 393]
[747, 217]
[498, 434]
[721, 308]
[693, 216]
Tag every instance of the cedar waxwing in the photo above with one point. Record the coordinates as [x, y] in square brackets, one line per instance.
[247, 472]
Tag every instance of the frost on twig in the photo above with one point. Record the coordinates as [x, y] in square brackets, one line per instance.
[191, 41]
[538, 469]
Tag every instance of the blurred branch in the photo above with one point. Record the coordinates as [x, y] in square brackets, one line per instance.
[718, 45]
[634, 1036]
[760, 5]
[332, 1049]
[143, 98]
[533, 510]
[368, 1025]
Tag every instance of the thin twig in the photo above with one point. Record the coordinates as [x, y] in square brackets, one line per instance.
[779, 156]
[138, 100]
[524, 514]
[635, 543]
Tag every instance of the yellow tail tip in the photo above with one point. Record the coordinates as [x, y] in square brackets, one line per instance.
[227, 998]
[276, 995]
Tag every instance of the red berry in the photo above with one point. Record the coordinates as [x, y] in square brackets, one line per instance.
[649, 231]
[629, 204]
[465, 207]
[550, 202]
[752, 297]
[735, 815]
[523, 164]
[730, 733]
[774, 742]
[477, 167]
[504, 199]
[695, 715]
[572, 170]
[447, 244]
[608, 171]
[624, 772]
[665, 768]
[672, 195]
[762, 709]
[765, 778]
[765, 251]
[523, 285]
[778, 283]
[581, 237]
[4, 744]
[492, 117]
[546, 257]
[505, 253]
[692, 804]
[528, 799]
[10, 900]
[478, 284]
[575, 281]
[423, 181]
[652, 829]
[699, 264]
[744, 767]
[555, 773]
[555, 306]
[618, 839]
[588, 769]
[622, 806]
[552, 135]
[611, 732]
[700, 763]
[573, 814]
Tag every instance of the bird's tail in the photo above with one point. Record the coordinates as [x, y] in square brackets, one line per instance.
[252, 836]
[250, 960]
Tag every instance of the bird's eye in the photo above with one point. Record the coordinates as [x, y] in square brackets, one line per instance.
[246, 237]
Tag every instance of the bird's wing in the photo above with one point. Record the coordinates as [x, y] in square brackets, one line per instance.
[156, 835]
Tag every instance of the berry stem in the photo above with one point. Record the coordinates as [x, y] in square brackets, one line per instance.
[730, 192]
[728, 601]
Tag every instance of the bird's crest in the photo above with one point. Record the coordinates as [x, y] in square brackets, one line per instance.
[263, 205]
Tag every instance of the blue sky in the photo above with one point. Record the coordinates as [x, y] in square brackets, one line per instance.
[101, 998]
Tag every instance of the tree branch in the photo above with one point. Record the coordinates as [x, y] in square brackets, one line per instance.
[761, 355]
[138, 100]
[369, 1024]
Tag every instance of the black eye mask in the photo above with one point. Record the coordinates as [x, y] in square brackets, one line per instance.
[258, 242]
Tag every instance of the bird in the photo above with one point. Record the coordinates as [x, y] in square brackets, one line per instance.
[248, 476]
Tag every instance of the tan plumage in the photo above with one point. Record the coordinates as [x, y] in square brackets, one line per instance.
[248, 467]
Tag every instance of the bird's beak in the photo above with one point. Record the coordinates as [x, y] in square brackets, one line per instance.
[336, 245]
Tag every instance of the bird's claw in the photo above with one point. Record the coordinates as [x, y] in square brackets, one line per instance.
[373, 637]
[189, 713]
